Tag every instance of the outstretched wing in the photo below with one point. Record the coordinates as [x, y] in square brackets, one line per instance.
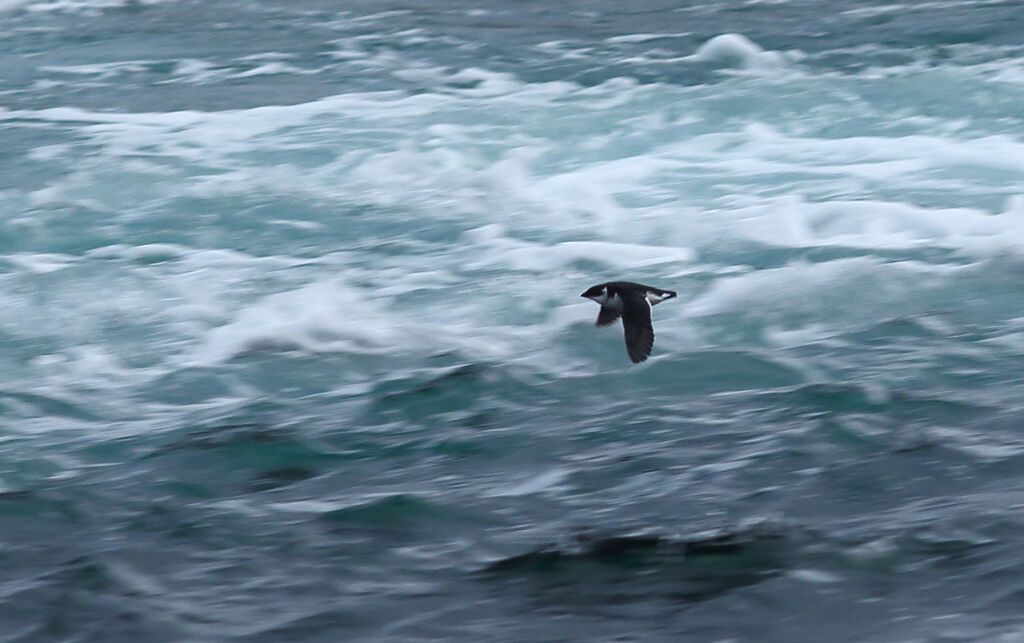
[607, 316]
[636, 321]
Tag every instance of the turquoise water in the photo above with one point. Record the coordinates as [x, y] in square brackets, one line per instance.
[294, 347]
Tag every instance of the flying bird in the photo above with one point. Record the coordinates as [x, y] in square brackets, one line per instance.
[633, 303]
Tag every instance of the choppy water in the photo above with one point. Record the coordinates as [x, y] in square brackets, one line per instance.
[293, 347]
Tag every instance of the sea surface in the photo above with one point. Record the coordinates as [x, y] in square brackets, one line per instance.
[293, 347]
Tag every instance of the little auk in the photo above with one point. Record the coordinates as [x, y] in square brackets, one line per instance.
[633, 303]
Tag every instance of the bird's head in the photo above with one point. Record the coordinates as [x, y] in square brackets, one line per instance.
[598, 293]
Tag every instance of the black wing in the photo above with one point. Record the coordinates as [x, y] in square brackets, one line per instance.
[636, 321]
[607, 316]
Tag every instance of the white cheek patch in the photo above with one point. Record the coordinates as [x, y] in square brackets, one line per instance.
[654, 298]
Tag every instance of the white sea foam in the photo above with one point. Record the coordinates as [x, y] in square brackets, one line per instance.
[271, 69]
[486, 83]
[738, 51]
[467, 170]
[198, 72]
[10, 6]
[101, 70]
[464, 164]
[331, 316]
[446, 193]
[545, 481]
[816, 576]
[847, 288]
[90, 364]
[789, 221]
[644, 37]
[82, 6]
[40, 262]
[493, 249]
[319, 317]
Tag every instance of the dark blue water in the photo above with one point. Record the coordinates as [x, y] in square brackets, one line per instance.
[293, 347]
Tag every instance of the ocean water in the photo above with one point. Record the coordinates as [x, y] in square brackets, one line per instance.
[293, 347]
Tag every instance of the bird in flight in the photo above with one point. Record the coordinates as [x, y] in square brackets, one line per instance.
[633, 303]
